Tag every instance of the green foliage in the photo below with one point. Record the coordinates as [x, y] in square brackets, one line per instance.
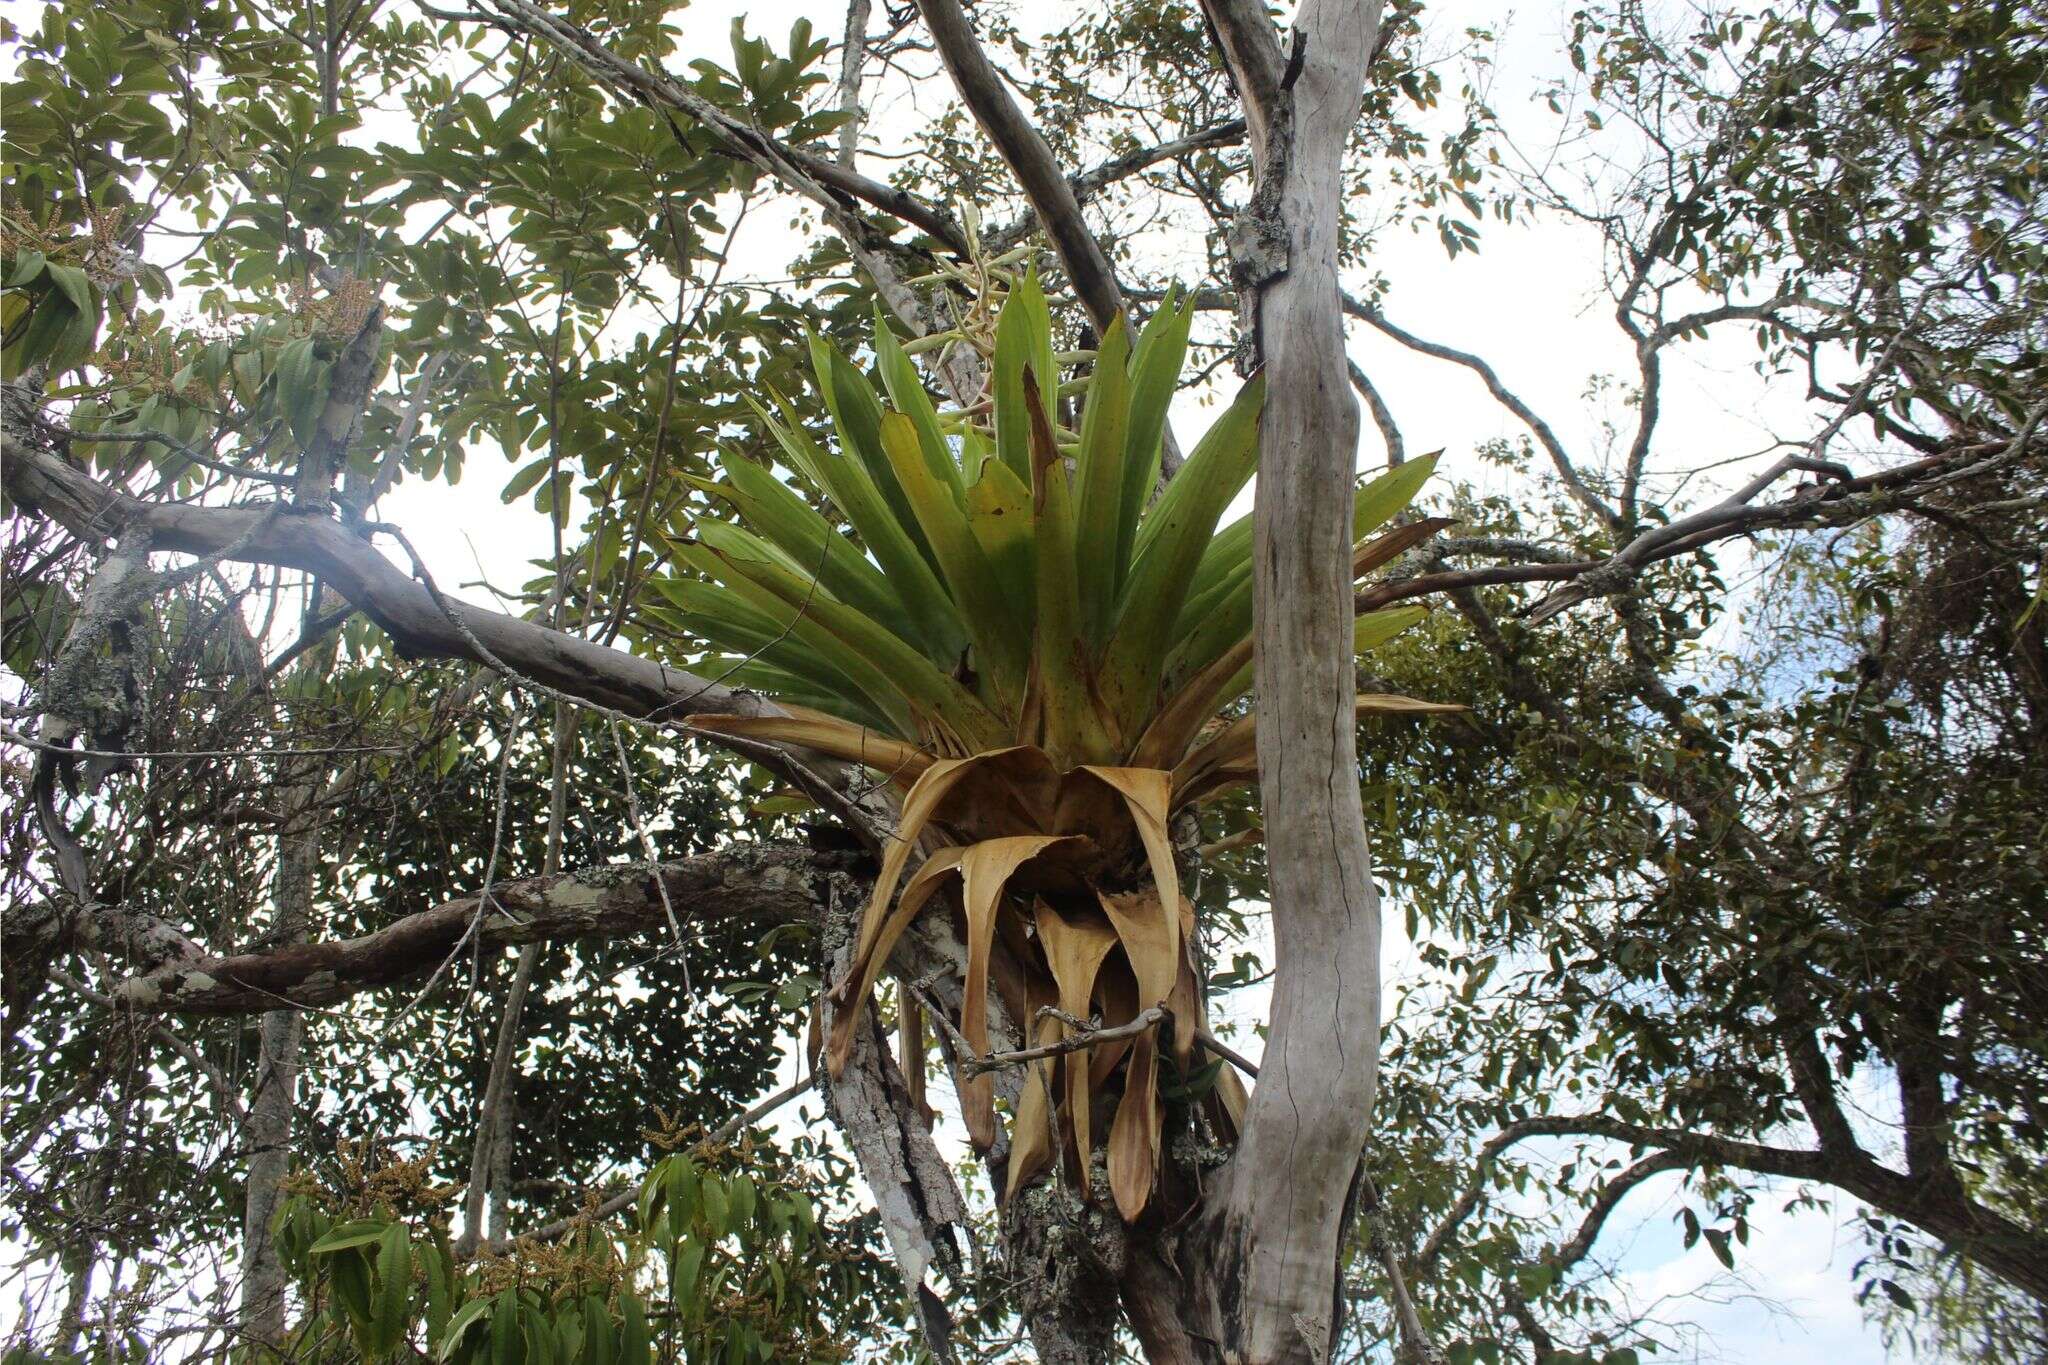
[727, 1263]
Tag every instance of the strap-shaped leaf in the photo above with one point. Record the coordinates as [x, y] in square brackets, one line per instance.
[1147, 794]
[1023, 342]
[1002, 642]
[1099, 484]
[1072, 720]
[857, 416]
[1155, 377]
[1229, 555]
[1075, 946]
[725, 620]
[1033, 1140]
[905, 672]
[800, 614]
[1229, 676]
[1134, 1134]
[851, 743]
[985, 872]
[1170, 546]
[999, 514]
[1224, 618]
[1232, 756]
[773, 508]
[879, 930]
[909, 573]
[793, 692]
[907, 395]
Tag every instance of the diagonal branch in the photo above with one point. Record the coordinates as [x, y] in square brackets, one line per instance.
[1503, 395]
[749, 881]
[1097, 178]
[826, 182]
[1052, 197]
[43, 481]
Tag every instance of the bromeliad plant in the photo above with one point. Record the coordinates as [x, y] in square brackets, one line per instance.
[1040, 656]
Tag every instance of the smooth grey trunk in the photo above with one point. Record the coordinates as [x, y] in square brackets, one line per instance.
[1278, 1221]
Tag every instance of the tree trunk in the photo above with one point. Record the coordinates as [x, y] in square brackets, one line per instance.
[271, 1106]
[1274, 1226]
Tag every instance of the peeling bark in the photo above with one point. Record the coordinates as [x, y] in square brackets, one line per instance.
[920, 1206]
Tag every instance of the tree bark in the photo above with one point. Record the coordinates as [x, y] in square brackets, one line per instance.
[1275, 1225]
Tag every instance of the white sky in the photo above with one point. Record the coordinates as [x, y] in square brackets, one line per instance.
[1531, 301]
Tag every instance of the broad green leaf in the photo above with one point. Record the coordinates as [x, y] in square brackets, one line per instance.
[394, 1288]
[302, 379]
[1099, 485]
[467, 1317]
[1001, 639]
[27, 266]
[75, 285]
[909, 573]
[348, 1236]
[1170, 546]
[1155, 377]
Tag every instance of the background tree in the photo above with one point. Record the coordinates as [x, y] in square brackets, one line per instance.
[262, 266]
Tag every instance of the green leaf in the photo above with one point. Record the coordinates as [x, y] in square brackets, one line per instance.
[908, 572]
[1099, 485]
[682, 1186]
[349, 1273]
[999, 514]
[1001, 639]
[635, 1345]
[772, 508]
[75, 286]
[600, 1341]
[857, 417]
[687, 1268]
[1387, 496]
[394, 1288]
[348, 1236]
[1074, 733]
[524, 479]
[717, 1206]
[906, 392]
[1155, 377]
[889, 671]
[27, 266]
[467, 1317]
[773, 592]
[508, 1346]
[1023, 342]
[302, 379]
[1170, 546]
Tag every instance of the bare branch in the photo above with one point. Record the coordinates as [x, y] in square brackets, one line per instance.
[1030, 160]
[750, 881]
[972, 1066]
[42, 481]
[1539, 428]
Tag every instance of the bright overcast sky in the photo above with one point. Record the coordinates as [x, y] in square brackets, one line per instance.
[1532, 302]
